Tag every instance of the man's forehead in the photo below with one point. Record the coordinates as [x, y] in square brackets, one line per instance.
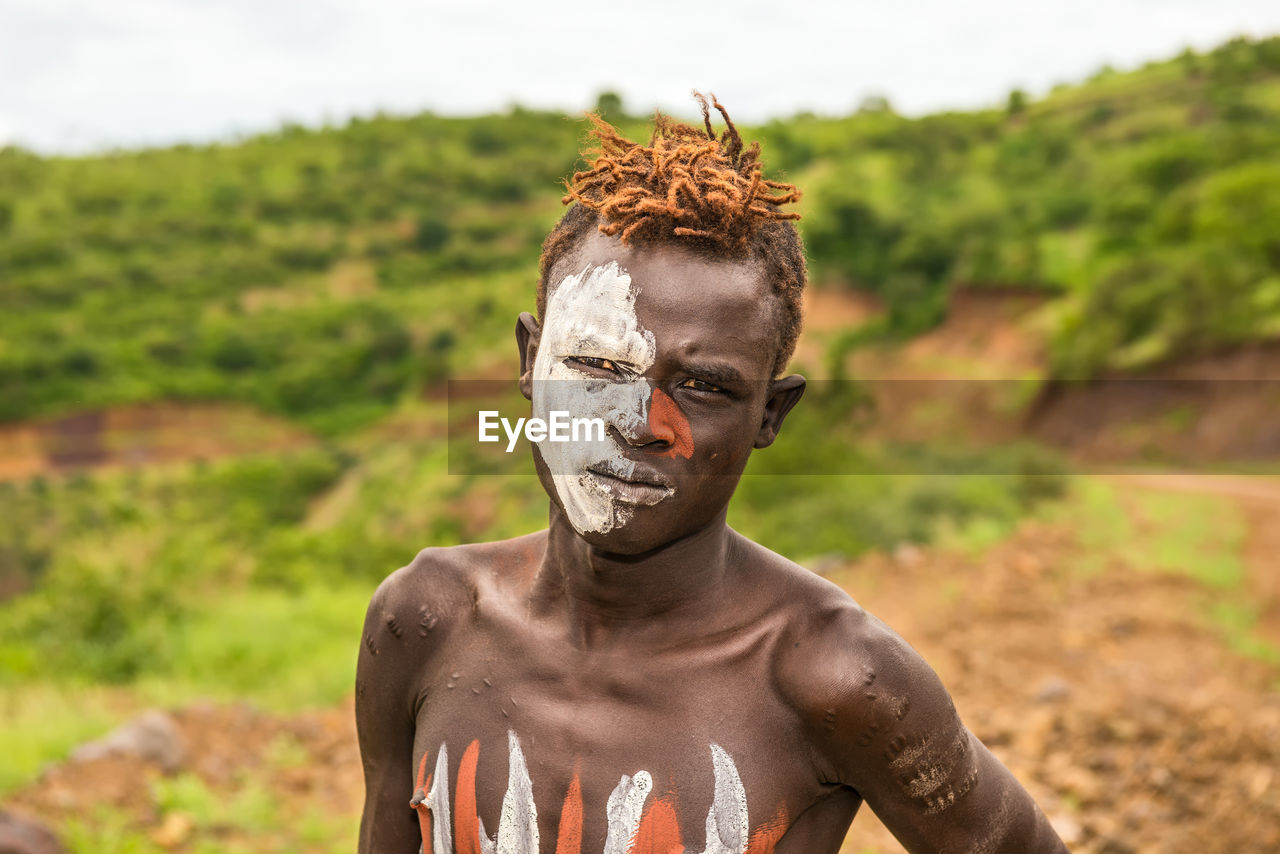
[714, 320]
[665, 277]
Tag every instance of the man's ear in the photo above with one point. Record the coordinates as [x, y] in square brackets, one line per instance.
[783, 394]
[528, 334]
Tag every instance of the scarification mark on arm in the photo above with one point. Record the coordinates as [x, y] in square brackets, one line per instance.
[426, 622]
[868, 735]
[928, 772]
[944, 800]
[895, 747]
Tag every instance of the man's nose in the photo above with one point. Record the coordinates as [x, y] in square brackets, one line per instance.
[668, 425]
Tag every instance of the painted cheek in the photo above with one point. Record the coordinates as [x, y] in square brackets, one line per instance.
[668, 423]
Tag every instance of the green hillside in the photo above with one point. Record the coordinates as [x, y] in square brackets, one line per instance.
[323, 274]
[1150, 200]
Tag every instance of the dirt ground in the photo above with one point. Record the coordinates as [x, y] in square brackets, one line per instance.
[1119, 708]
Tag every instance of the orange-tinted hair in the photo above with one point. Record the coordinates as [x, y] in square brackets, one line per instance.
[690, 188]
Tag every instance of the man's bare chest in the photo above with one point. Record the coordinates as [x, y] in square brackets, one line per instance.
[526, 749]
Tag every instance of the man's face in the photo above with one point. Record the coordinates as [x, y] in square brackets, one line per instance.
[673, 352]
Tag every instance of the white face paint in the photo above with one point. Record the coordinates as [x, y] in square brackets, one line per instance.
[593, 315]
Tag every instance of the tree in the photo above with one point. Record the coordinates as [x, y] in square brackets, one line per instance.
[1017, 102]
[609, 106]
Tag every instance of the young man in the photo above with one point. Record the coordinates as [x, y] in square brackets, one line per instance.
[639, 678]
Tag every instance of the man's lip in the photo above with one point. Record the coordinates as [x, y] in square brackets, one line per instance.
[640, 474]
[633, 489]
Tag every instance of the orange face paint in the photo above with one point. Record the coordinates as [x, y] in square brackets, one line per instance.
[466, 821]
[669, 424]
[569, 840]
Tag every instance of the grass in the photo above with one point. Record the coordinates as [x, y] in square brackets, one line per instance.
[41, 721]
[279, 651]
[1195, 536]
[251, 821]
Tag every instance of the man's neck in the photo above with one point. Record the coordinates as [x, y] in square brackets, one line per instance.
[607, 596]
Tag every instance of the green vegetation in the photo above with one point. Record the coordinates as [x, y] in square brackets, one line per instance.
[1150, 201]
[824, 490]
[327, 274]
[1196, 536]
[252, 820]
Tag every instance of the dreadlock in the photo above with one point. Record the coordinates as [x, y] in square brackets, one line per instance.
[687, 187]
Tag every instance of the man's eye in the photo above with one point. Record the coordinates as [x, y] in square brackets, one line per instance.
[598, 364]
[700, 385]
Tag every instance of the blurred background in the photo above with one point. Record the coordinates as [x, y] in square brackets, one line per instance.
[244, 249]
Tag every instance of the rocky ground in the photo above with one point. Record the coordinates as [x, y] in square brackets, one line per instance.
[1108, 696]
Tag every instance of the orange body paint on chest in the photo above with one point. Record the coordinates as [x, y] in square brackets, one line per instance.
[659, 832]
[466, 821]
[569, 840]
[669, 424]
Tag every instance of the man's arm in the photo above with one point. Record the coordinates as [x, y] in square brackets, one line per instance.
[893, 734]
[385, 684]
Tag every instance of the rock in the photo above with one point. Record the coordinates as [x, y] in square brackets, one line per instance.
[1259, 782]
[152, 737]
[908, 555]
[175, 830]
[1053, 690]
[826, 564]
[24, 836]
[1067, 828]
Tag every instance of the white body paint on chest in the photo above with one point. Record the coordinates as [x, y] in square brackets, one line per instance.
[727, 826]
[592, 314]
[518, 827]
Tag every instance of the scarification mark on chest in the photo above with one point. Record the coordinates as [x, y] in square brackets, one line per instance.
[636, 823]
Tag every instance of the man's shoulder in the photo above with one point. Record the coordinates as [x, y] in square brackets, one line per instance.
[840, 667]
[443, 581]
[820, 615]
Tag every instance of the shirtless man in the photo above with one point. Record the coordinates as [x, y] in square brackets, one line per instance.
[639, 678]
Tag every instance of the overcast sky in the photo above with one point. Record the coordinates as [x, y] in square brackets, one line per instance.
[78, 75]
